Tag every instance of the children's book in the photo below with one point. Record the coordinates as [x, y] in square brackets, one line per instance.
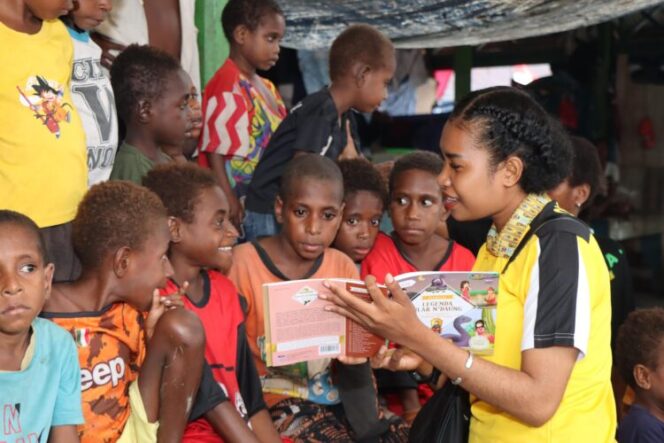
[298, 328]
[459, 306]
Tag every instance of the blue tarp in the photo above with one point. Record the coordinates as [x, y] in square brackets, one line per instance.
[433, 24]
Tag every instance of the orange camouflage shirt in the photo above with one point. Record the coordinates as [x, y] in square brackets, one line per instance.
[111, 348]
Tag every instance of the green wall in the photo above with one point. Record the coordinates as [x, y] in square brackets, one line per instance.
[212, 45]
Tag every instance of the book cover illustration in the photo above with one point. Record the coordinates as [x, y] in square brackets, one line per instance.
[459, 306]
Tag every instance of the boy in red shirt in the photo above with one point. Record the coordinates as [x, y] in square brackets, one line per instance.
[202, 237]
[416, 209]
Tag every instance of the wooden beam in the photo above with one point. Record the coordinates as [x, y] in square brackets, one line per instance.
[463, 63]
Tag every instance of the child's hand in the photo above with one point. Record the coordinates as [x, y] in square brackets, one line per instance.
[350, 151]
[351, 360]
[162, 304]
[107, 45]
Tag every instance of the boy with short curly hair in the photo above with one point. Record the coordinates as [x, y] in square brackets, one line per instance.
[36, 354]
[320, 400]
[152, 97]
[141, 358]
[202, 237]
[640, 360]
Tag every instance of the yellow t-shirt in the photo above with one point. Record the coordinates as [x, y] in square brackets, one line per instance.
[556, 292]
[43, 159]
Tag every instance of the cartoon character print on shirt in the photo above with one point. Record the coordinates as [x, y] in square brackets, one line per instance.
[44, 98]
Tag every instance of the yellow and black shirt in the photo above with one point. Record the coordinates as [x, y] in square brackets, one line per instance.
[554, 291]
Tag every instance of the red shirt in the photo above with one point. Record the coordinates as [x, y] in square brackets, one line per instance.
[385, 257]
[226, 350]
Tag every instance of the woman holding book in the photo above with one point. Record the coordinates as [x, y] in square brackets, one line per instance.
[549, 377]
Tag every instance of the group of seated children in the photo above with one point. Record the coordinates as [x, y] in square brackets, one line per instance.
[165, 312]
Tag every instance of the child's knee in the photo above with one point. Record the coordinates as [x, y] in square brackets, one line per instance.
[181, 328]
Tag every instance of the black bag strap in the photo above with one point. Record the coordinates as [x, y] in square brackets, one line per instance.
[548, 221]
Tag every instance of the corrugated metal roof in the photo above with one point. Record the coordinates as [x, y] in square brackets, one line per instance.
[431, 24]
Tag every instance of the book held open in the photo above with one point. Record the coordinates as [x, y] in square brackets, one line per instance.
[459, 306]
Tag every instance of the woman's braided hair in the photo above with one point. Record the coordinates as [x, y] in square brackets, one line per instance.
[511, 123]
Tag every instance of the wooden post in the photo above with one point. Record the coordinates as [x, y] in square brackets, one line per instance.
[600, 123]
[463, 63]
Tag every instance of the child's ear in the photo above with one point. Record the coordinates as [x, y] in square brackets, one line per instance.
[512, 171]
[48, 279]
[240, 34]
[642, 376]
[278, 210]
[360, 73]
[174, 225]
[143, 111]
[121, 260]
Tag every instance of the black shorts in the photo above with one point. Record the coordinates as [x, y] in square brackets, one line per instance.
[209, 395]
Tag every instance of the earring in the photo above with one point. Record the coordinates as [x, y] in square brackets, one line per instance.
[578, 205]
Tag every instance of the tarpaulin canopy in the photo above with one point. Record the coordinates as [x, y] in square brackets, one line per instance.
[313, 24]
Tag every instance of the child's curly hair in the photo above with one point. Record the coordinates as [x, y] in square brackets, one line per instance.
[248, 13]
[113, 215]
[638, 342]
[8, 217]
[179, 186]
[359, 44]
[361, 175]
[418, 160]
[139, 73]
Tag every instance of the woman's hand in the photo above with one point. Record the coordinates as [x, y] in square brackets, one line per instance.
[393, 318]
[401, 359]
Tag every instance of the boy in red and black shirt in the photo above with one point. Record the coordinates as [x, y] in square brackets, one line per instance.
[202, 237]
[417, 211]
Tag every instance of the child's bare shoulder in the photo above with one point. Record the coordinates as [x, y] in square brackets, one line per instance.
[62, 299]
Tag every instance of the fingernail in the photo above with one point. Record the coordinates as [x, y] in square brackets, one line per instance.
[327, 284]
[389, 279]
[327, 308]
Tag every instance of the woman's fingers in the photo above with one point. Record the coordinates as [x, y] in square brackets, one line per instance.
[398, 294]
[344, 299]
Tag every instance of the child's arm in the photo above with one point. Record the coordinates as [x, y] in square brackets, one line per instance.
[252, 393]
[63, 434]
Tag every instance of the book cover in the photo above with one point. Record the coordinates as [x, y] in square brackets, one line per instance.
[459, 306]
[297, 327]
